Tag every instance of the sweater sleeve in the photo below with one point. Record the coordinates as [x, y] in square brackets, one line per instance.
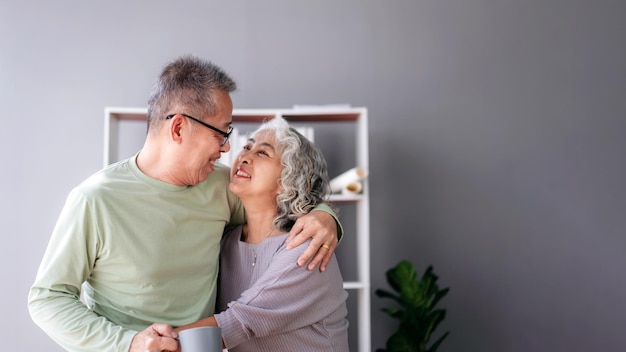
[325, 207]
[54, 299]
[285, 298]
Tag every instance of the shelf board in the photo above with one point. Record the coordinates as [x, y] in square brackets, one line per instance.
[322, 116]
[137, 114]
[298, 115]
[345, 198]
[355, 285]
[258, 115]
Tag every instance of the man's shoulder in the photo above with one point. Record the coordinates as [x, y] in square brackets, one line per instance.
[221, 174]
[222, 169]
[110, 171]
[105, 179]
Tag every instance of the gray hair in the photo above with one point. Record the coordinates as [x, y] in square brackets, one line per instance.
[187, 82]
[304, 179]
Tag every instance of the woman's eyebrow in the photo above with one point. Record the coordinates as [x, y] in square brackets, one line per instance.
[264, 144]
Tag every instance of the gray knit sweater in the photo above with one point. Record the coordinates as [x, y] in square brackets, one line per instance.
[268, 303]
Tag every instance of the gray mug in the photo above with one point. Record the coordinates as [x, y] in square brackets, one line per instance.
[201, 339]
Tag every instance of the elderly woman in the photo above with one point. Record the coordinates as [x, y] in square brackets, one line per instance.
[266, 302]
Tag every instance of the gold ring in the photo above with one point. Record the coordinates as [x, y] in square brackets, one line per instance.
[326, 246]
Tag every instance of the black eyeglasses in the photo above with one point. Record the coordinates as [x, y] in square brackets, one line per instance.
[225, 135]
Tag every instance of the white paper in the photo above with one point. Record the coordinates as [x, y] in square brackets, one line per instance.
[352, 188]
[338, 183]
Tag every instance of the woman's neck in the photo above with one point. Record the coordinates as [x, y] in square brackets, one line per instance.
[260, 224]
[256, 234]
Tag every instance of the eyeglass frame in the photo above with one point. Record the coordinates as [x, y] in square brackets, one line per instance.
[225, 135]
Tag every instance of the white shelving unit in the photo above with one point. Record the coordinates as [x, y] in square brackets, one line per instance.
[357, 119]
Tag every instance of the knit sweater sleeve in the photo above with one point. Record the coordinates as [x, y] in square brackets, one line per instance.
[286, 297]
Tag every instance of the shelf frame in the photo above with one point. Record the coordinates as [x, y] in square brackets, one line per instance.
[357, 115]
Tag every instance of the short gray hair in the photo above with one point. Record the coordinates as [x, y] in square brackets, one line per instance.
[190, 82]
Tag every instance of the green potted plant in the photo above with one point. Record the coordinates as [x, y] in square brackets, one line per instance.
[417, 313]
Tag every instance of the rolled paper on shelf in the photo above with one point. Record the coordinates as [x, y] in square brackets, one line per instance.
[338, 183]
[352, 188]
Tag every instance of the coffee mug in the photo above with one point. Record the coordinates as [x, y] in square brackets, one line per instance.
[201, 339]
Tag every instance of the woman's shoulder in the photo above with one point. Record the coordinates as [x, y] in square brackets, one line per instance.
[282, 245]
[232, 233]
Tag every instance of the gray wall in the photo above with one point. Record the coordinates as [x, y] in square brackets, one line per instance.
[496, 140]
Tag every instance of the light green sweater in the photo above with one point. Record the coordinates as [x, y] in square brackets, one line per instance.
[146, 250]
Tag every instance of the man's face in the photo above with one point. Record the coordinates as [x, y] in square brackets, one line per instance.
[203, 147]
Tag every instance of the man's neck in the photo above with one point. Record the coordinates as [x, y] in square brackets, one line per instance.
[153, 164]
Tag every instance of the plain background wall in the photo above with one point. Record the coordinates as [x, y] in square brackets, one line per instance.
[496, 140]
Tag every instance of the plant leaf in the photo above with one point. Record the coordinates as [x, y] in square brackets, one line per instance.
[394, 312]
[435, 345]
[401, 342]
[417, 297]
[400, 275]
[386, 294]
[433, 319]
[438, 296]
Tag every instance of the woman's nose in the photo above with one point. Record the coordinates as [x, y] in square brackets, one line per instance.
[244, 157]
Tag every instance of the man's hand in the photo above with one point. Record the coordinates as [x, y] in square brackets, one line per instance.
[322, 228]
[155, 338]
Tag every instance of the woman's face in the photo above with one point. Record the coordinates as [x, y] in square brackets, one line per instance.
[256, 171]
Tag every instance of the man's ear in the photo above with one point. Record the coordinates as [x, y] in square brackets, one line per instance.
[175, 128]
